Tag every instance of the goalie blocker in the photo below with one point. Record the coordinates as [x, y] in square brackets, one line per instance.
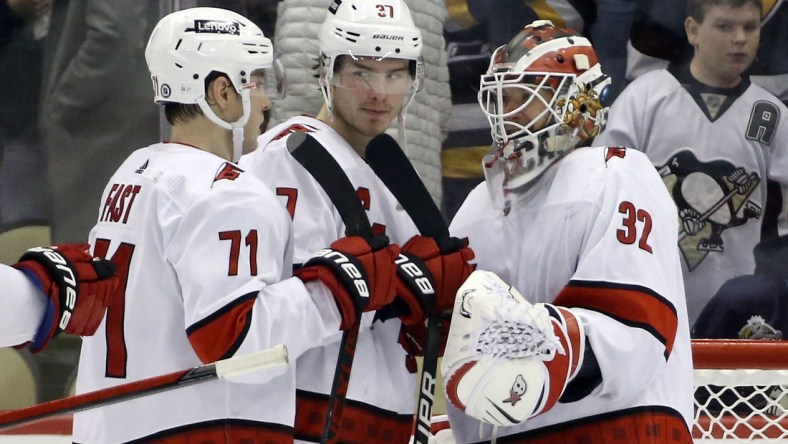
[508, 360]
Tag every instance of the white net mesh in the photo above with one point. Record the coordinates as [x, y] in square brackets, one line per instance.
[745, 397]
[741, 404]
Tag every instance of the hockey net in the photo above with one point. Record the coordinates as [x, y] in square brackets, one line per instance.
[741, 395]
[741, 391]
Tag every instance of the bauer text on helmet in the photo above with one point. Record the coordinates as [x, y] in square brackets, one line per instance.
[379, 30]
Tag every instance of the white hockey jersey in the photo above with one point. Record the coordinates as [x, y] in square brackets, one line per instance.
[204, 251]
[597, 234]
[381, 394]
[21, 307]
[714, 149]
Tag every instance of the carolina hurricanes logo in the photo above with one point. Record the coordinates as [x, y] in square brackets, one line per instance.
[229, 172]
[297, 127]
[517, 391]
[615, 151]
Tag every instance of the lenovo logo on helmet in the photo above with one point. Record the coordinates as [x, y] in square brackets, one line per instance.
[387, 37]
[216, 27]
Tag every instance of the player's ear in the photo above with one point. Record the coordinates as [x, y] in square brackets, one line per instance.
[691, 28]
[219, 92]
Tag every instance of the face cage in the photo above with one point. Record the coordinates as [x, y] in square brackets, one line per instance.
[518, 159]
[536, 86]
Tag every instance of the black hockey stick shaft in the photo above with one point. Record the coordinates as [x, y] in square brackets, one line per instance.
[393, 167]
[274, 356]
[327, 172]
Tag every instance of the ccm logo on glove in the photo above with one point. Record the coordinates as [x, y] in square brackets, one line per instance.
[348, 268]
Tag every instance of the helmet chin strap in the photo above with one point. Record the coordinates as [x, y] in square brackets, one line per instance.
[328, 98]
[236, 127]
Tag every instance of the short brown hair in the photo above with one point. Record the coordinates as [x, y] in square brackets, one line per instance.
[697, 8]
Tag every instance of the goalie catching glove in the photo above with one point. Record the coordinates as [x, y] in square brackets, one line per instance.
[506, 359]
[78, 288]
[359, 272]
[428, 276]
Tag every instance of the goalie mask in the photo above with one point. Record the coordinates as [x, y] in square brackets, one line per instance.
[187, 46]
[378, 30]
[543, 94]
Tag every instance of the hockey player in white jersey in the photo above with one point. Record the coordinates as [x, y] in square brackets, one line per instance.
[715, 138]
[370, 69]
[576, 330]
[53, 290]
[204, 253]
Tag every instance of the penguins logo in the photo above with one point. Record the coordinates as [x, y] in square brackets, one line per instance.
[711, 197]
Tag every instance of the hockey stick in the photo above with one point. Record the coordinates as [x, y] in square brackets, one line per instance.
[222, 369]
[391, 165]
[327, 172]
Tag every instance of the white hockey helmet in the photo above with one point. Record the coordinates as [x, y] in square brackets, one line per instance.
[365, 28]
[188, 45]
[550, 69]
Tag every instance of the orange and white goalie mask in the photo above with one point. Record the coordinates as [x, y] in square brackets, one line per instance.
[543, 94]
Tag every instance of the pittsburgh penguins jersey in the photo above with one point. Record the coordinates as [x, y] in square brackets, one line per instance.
[204, 254]
[381, 393]
[21, 307]
[596, 234]
[714, 149]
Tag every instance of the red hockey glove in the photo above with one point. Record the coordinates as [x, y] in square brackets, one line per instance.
[429, 276]
[78, 288]
[359, 272]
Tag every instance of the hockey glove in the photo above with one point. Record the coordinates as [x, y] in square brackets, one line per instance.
[506, 359]
[78, 288]
[359, 272]
[428, 277]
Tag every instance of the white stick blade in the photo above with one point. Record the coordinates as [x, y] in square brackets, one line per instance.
[237, 365]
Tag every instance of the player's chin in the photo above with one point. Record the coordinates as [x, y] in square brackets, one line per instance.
[375, 127]
[483, 389]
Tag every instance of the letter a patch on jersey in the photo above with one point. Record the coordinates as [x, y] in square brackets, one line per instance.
[228, 171]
